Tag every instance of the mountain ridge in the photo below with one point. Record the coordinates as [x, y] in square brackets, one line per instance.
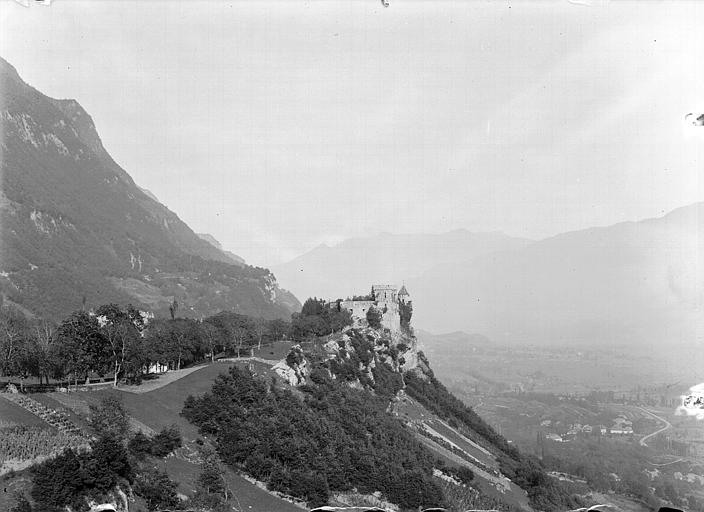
[625, 283]
[66, 201]
[629, 283]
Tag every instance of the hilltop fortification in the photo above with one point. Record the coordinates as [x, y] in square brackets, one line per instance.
[394, 305]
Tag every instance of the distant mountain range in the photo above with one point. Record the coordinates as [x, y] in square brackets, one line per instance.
[354, 265]
[74, 225]
[634, 283]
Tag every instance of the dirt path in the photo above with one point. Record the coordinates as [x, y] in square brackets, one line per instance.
[666, 463]
[663, 429]
[173, 375]
[161, 381]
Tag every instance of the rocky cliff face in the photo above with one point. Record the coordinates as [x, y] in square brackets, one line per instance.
[356, 355]
[74, 224]
[397, 349]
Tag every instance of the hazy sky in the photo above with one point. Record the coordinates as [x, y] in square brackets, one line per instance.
[279, 126]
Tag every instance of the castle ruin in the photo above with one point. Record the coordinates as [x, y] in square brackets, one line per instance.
[388, 299]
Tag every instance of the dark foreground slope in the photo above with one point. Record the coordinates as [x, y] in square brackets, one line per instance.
[75, 224]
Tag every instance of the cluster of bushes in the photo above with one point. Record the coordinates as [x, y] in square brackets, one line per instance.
[374, 316]
[349, 366]
[527, 472]
[73, 478]
[462, 473]
[159, 445]
[333, 439]
[318, 318]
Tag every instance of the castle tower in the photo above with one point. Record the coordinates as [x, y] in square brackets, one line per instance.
[403, 295]
[384, 293]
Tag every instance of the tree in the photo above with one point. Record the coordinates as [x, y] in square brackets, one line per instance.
[121, 335]
[58, 482]
[140, 445]
[157, 489]
[260, 329]
[82, 347]
[374, 317]
[42, 350]
[14, 333]
[136, 317]
[211, 338]
[183, 336]
[313, 307]
[240, 334]
[278, 329]
[172, 341]
[106, 464]
[109, 418]
[318, 318]
[166, 441]
[211, 479]
[156, 342]
[173, 308]
[237, 331]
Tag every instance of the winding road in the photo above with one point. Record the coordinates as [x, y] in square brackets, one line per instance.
[663, 429]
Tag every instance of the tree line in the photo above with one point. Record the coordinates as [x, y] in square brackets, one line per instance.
[124, 343]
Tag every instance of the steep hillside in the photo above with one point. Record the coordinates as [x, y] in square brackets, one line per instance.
[359, 413]
[74, 224]
[354, 417]
[350, 266]
[635, 283]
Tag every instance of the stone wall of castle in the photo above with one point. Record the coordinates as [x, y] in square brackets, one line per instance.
[386, 300]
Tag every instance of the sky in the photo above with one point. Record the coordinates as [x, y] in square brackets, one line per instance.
[276, 127]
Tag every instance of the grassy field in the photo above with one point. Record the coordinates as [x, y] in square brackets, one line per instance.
[278, 350]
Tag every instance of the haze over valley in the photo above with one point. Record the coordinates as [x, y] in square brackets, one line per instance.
[636, 284]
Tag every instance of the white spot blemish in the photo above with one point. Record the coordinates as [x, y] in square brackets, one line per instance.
[693, 403]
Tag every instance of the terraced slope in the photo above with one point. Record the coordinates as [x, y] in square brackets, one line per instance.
[457, 449]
